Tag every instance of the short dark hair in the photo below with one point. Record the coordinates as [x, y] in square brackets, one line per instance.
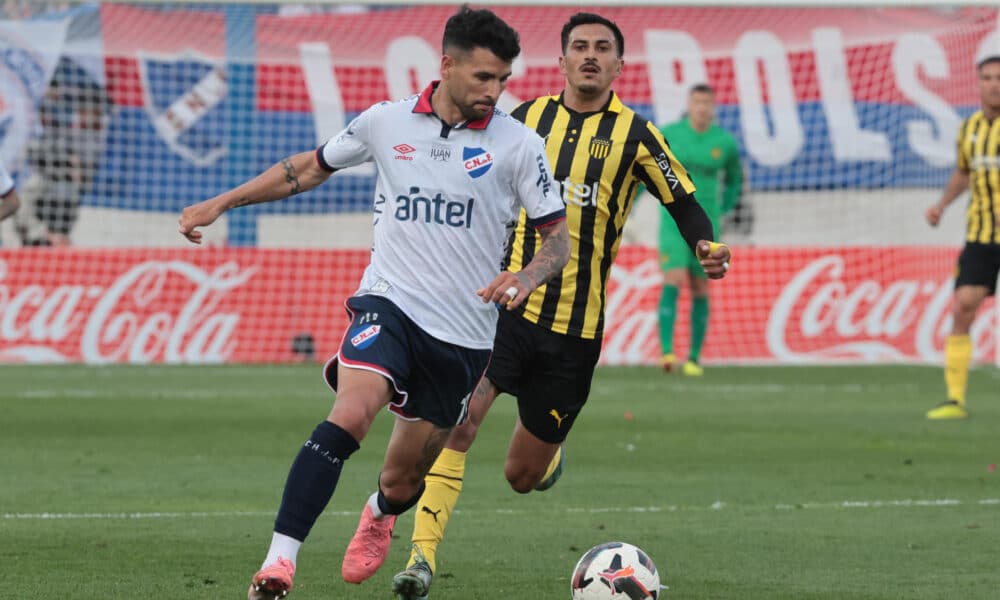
[583, 18]
[989, 60]
[702, 88]
[469, 29]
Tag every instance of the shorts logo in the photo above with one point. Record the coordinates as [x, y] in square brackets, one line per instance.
[362, 337]
[559, 418]
[404, 151]
[476, 161]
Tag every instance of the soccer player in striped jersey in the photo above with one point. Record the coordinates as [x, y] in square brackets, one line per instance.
[453, 173]
[9, 202]
[545, 352]
[712, 157]
[978, 170]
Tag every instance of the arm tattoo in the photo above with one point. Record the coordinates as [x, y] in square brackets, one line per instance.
[242, 202]
[551, 257]
[291, 176]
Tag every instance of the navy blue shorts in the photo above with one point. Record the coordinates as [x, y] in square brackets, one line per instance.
[433, 380]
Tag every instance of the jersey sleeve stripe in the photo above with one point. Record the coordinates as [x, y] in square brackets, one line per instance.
[322, 161]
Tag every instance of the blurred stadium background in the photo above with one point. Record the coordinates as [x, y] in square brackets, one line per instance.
[846, 117]
[809, 474]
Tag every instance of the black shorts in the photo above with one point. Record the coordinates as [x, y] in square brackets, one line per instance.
[978, 264]
[550, 374]
[433, 380]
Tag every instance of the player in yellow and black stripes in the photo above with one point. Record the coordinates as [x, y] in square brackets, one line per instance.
[978, 169]
[545, 353]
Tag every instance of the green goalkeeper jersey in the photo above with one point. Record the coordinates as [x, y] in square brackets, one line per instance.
[711, 157]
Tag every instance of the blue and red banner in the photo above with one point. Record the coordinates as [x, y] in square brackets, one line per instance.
[818, 98]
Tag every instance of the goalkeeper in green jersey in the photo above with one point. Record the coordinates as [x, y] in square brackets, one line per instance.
[712, 157]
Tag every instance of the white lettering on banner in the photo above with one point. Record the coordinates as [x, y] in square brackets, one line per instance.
[634, 336]
[916, 56]
[324, 91]
[665, 50]
[197, 333]
[877, 312]
[772, 131]
[990, 46]
[410, 62]
[849, 140]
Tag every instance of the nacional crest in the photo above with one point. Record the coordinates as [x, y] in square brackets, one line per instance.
[599, 147]
[181, 94]
[476, 161]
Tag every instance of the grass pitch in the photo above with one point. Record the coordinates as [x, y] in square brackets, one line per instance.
[750, 483]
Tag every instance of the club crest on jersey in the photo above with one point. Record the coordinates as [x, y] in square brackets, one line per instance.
[362, 337]
[599, 147]
[476, 161]
[181, 95]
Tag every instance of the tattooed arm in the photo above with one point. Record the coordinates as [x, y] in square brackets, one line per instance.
[550, 258]
[291, 176]
[512, 289]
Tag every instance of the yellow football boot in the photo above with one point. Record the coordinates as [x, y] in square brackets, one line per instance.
[668, 363]
[948, 410]
[693, 369]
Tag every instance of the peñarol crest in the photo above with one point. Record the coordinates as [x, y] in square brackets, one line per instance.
[600, 147]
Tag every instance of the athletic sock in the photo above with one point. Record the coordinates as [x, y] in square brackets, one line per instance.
[699, 327]
[312, 479]
[667, 315]
[282, 546]
[957, 356]
[444, 485]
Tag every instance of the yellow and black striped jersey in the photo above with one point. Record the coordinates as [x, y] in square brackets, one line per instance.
[979, 156]
[598, 159]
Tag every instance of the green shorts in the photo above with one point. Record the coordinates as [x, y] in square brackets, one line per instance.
[675, 252]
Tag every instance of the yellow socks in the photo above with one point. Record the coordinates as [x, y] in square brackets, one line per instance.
[553, 464]
[444, 484]
[957, 356]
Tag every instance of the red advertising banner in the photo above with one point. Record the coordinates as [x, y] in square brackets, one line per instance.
[816, 305]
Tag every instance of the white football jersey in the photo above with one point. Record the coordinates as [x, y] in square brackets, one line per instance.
[446, 200]
[6, 183]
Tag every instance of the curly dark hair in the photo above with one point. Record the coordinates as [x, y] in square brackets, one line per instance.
[584, 18]
[469, 29]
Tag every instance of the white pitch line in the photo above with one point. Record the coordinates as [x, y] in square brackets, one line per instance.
[715, 507]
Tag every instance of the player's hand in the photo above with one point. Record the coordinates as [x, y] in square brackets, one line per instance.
[198, 215]
[934, 215]
[714, 258]
[507, 289]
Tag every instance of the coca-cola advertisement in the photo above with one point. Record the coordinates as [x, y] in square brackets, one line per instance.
[802, 305]
[776, 305]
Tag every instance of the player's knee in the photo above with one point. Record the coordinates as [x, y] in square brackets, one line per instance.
[400, 485]
[522, 478]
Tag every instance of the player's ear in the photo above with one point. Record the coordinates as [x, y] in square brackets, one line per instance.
[447, 64]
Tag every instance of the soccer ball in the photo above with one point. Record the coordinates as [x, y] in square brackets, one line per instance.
[615, 571]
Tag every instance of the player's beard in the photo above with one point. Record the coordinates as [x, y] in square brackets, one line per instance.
[472, 113]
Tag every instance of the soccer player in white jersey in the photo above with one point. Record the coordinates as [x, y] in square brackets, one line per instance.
[453, 174]
[8, 196]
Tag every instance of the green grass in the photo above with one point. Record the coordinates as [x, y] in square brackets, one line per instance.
[162, 482]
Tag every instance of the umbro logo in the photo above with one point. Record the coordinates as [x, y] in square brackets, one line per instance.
[404, 151]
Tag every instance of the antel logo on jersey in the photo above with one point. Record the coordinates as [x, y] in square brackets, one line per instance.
[404, 151]
[476, 161]
[363, 337]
